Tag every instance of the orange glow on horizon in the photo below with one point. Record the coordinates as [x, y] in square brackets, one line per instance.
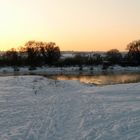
[81, 25]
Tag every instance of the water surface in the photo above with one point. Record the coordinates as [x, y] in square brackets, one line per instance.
[102, 79]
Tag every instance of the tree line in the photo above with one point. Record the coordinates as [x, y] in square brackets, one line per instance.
[32, 54]
[35, 54]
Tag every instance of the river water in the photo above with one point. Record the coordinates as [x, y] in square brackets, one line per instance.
[102, 79]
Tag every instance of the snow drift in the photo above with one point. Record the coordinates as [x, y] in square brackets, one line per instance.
[37, 108]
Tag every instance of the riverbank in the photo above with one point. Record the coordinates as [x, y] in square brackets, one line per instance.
[66, 70]
[37, 108]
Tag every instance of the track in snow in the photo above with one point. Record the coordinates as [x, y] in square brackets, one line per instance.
[36, 108]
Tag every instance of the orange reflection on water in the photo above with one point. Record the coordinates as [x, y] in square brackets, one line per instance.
[102, 79]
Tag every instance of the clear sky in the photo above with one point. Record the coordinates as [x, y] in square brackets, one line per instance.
[84, 25]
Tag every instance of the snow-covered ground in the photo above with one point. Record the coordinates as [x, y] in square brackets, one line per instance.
[66, 70]
[37, 108]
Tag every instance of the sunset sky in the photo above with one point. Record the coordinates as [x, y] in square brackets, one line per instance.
[80, 25]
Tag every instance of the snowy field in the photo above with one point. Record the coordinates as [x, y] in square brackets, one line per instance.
[37, 108]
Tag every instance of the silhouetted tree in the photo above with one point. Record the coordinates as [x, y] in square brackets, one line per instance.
[79, 59]
[97, 59]
[114, 56]
[50, 52]
[11, 57]
[39, 53]
[133, 55]
[33, 54]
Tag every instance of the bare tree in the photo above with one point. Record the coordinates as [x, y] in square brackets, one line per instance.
[134, 51]
[114, 56]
